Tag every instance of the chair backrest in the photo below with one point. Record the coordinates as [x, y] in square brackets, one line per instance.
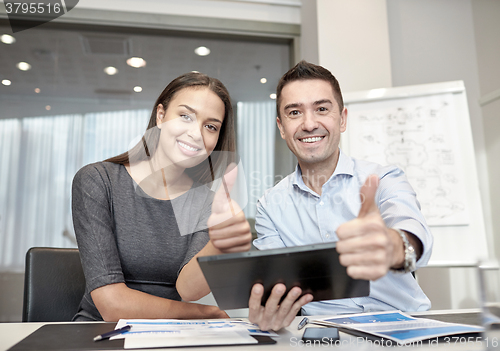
[54, 284]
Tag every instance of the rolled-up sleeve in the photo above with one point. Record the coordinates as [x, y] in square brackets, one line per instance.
[267, 234]
[400, 209]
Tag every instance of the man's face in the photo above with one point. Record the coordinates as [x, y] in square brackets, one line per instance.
[311, 122]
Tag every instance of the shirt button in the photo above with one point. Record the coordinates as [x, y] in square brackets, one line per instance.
[327, 235]
[321, 203]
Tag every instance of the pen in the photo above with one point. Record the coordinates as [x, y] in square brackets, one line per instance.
[303, 323]
[113, 333]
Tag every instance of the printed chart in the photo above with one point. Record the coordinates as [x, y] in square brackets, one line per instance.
[420, 136]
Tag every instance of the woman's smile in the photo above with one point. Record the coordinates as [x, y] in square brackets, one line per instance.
[188, 149]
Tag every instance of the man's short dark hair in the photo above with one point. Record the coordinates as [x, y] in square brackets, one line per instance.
[306, 70]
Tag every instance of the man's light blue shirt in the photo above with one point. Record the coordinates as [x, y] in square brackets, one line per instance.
[291, 214]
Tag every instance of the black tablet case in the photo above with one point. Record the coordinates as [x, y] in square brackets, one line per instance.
[78, 336]
[314, 268]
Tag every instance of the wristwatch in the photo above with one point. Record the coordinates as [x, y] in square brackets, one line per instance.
[410, 262]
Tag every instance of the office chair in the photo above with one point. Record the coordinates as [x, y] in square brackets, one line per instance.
[54, 284]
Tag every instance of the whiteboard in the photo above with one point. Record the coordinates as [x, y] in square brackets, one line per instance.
[425, 130]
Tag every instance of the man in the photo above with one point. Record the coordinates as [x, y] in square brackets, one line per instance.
[371, 211]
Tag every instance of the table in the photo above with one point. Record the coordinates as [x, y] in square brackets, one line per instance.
[11, 333]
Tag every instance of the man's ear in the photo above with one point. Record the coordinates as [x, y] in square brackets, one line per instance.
[280, 127]
[343, 120]
[160, 115]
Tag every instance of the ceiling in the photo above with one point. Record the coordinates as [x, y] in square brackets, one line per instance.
[67, 67]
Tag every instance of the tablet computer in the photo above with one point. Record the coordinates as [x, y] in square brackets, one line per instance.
[314, 268]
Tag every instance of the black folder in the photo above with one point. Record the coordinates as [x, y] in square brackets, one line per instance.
[80, 336]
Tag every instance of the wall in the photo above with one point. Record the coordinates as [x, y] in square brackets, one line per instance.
[11, 296]
[353, 42]
[486, 14]
[309, 48]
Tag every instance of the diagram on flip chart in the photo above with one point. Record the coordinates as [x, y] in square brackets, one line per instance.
[420, 136]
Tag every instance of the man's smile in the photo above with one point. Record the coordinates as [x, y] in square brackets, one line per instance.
[311, 139]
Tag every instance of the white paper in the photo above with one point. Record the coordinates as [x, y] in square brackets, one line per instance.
[173, 332]
[222, 338]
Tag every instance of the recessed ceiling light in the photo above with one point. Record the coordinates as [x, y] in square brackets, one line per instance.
[202, 51]
[273, 96]
[48, 107]
[37, 90]
[6, 82]
[23, 66]
[111, 70]
[137, 89]
[263, 80]
[136, 62]
[7, 39]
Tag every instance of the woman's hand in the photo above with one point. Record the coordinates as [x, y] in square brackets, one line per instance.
[229, 230]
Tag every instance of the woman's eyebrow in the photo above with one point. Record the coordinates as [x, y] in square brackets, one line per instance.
[213, 119]
[189, 108]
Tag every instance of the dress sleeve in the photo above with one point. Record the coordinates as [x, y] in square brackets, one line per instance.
[400, 209]
[94, 227]
[200, 237]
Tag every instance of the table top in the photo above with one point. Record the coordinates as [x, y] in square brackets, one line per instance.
[12, 333]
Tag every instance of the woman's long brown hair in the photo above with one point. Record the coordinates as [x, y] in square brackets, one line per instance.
[225, 149]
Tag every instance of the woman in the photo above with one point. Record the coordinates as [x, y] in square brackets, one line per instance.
[140, 218]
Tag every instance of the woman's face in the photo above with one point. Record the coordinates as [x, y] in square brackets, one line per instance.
[190, 126]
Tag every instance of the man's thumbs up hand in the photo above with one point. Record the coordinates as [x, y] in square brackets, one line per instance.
[367, 196]
[229, 230]
[366, 246]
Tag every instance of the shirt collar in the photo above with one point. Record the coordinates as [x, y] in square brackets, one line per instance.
[345, 165]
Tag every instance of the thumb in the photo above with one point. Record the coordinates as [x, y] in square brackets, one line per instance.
[367, 196]
[222, 198]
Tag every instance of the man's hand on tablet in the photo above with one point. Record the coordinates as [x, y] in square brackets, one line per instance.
[275, 315]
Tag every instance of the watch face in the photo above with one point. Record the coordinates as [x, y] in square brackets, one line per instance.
[410, 259]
